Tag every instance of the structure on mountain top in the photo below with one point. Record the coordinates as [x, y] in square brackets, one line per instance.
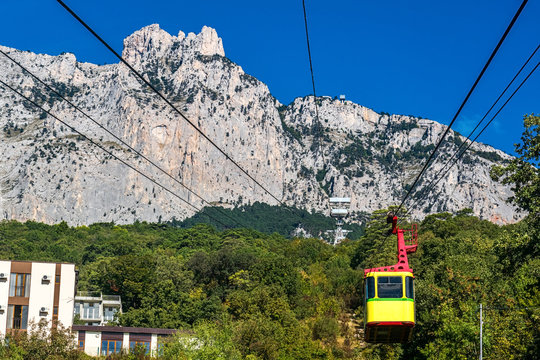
[339, 209]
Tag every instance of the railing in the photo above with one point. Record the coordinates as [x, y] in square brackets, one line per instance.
[95, 294]
[111, 298]
[90, 316]
[411, 241]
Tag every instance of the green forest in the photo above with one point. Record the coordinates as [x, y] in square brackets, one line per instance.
[253, 295]
[248, 294]
[284, 220]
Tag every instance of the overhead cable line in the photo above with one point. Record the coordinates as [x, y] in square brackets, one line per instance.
[437, 178]
[118, 138]
[108, 152]
[319, 124]
[138, 74]
[493, 53]
[511, 308]
[480, 133]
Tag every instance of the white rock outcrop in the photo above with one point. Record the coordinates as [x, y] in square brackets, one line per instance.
[50, 174]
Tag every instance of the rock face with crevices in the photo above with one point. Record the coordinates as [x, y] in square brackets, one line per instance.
[50, 173]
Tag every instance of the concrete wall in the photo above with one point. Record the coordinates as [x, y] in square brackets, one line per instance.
[154, 344]
[41, 293]
[92, 343]
[125, 342]
[67, 294]
[5, 267]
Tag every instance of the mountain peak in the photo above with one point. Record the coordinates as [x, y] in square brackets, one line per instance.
[153, 41]
[50, 174]
[210, 42]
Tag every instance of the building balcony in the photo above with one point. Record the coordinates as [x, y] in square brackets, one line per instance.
[88, 296]
[111, 300]
[93, 296]
[90, 318]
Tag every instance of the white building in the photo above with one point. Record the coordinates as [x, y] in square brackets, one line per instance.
[33, 291]
[107, 340]
[94, 308]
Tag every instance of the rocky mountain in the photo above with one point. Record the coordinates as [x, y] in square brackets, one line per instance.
[50, 174]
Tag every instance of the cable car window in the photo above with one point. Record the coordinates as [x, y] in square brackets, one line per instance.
[409, 287]
[370, 287]
[390, 287]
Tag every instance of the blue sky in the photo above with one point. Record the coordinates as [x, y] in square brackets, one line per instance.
[404, 57]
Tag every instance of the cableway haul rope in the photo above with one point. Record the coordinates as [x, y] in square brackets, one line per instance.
[109, 152]
[389, 312]
[227, 156]
[318, 120]
[119, 139]
[438, 178]
[493, 53]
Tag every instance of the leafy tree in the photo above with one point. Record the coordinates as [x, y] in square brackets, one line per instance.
[40, 342]
[243, 294]
[523, 174]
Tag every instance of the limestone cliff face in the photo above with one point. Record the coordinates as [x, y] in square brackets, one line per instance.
[50, 174]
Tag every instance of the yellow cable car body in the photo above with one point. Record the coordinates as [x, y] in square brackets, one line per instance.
[389, 309]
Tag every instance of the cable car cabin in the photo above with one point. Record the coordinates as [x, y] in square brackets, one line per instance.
[389, 307]
[389, 310]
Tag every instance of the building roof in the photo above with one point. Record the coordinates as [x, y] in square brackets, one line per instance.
[125, 329]
[38, 262]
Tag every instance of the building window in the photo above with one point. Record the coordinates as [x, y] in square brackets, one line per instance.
[17, 317]
[108, 313]
[110, 347]
[57, 279]
[77, 308]
[390, 287]
[19, 285]
[90, 311]
[55, 315]
[140, 345]
[81, 345]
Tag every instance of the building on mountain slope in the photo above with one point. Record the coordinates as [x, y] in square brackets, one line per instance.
[107, 340]
[31, 292]
[94, 308]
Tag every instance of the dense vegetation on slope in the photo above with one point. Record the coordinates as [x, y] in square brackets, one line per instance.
[250, 295]
[283, 220]
[271, 297]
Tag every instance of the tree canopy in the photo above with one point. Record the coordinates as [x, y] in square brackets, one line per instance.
[247, 294]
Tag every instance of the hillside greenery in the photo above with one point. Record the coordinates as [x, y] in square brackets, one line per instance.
[253, 295]
[247, 294]
[283, 220]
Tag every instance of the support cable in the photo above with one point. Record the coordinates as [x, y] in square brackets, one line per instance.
[493, 53]
[437, 177]
[511, 308]
[118, 138]
[319, 124]
[166, 100]
[476, 137]
[109, 152]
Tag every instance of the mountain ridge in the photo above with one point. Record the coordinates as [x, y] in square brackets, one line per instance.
[371, 156]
